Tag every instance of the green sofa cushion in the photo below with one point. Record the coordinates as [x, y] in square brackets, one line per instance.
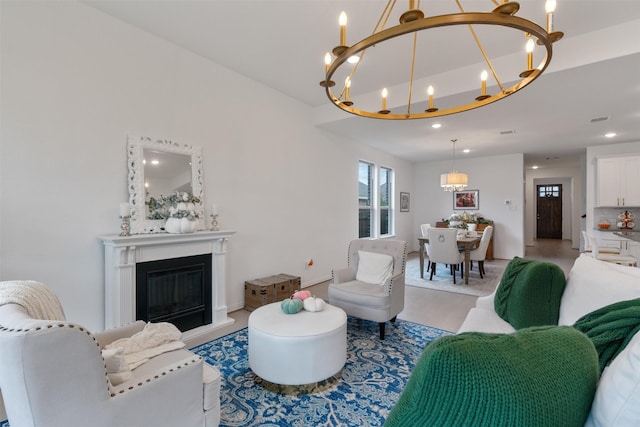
[543, 376]
[529, 293]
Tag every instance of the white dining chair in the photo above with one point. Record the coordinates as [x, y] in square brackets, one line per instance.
[620, 259]
[588, 245]
[443, 249]
[423, 231]
[480, 253]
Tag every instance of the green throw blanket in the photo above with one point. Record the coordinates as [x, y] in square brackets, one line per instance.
[611, 328]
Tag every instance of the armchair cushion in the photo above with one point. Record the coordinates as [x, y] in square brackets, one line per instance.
[529, 293]
[374, 267]
[543, 376]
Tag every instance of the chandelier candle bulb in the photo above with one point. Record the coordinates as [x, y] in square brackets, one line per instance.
[384, 102]
[431, 108]
[342, 20]
[483, 78]
[327, 62]
[550, 7]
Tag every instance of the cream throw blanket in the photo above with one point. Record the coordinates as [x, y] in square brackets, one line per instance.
[154, 339]
[35, 297]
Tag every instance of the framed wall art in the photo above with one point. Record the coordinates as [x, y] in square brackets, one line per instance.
[466, 200]
[404, 202]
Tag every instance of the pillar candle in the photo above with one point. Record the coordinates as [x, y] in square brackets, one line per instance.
[124, 209]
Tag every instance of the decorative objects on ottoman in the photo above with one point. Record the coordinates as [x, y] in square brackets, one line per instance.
[291, 305]
[529, 293]
[314, 304]
[304, 348]
[266, 290]
[543, 376]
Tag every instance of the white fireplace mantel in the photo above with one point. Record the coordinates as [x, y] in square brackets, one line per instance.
[121, 254]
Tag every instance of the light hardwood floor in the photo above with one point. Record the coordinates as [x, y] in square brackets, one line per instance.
[443, 310]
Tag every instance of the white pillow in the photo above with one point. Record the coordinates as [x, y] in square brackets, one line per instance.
[617, 400]
[117, 367]
[374, 268]
[593, 284]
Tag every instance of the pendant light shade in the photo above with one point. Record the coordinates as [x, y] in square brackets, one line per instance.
[454, 180]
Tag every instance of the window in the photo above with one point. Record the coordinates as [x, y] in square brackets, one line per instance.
[386, 196]
[365, 196]
[375, 200]
[548, 191]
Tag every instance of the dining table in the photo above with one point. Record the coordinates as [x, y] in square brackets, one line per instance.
[466, 241]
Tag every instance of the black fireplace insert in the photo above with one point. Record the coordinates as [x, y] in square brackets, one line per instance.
[176, 290]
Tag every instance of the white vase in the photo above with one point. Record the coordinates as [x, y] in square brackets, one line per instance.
[472, 226]
[180, 225]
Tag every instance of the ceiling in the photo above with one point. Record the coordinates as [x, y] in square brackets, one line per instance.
[594, 71]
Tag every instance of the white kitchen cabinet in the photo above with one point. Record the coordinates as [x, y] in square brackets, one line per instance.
[618, 181]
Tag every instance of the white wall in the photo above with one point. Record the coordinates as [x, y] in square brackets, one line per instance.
[497, 178]
[75, 82]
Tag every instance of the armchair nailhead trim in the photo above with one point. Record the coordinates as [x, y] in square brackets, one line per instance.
[86, 331]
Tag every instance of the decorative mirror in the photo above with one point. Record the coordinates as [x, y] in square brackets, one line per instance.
[159, 168]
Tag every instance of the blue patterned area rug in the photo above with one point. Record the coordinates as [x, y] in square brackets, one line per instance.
[362, 394]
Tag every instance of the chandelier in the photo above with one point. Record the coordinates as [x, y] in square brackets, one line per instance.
[454, 180]
[413, 22]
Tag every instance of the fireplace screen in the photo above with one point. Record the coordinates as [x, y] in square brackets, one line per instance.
[176, 290]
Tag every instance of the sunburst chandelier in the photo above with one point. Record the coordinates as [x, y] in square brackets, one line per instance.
[413, 22]
[454, 180]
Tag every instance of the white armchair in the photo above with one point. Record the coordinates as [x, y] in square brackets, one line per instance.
[52, 373]
[372, 286]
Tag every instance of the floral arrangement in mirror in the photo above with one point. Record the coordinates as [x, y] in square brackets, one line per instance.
[179, 209]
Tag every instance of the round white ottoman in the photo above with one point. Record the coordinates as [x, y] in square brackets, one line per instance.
[294, 349]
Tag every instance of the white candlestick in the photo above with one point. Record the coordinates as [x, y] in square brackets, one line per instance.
[124, 209]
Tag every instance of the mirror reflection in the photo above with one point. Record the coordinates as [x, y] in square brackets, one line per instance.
[164, 174]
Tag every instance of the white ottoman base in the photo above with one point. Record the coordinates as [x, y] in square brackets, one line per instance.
[294, 349]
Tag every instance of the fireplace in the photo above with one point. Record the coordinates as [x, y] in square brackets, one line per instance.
[200, 300]
[176, 290]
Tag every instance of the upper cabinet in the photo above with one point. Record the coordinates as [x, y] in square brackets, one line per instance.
[618, 181]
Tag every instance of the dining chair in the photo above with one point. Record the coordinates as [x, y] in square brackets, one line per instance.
[443, 249]
[620, 259]
[588, 245]
[480, 253]
[423, 230]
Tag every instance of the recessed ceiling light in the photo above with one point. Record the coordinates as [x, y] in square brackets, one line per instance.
[535, 167]
[610, 134]
[436, 125]
[155, 162]
[466, 150]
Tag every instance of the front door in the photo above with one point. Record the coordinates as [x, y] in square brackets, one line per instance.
[549, 211]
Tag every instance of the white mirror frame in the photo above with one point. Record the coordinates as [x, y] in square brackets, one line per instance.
[135, 146]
